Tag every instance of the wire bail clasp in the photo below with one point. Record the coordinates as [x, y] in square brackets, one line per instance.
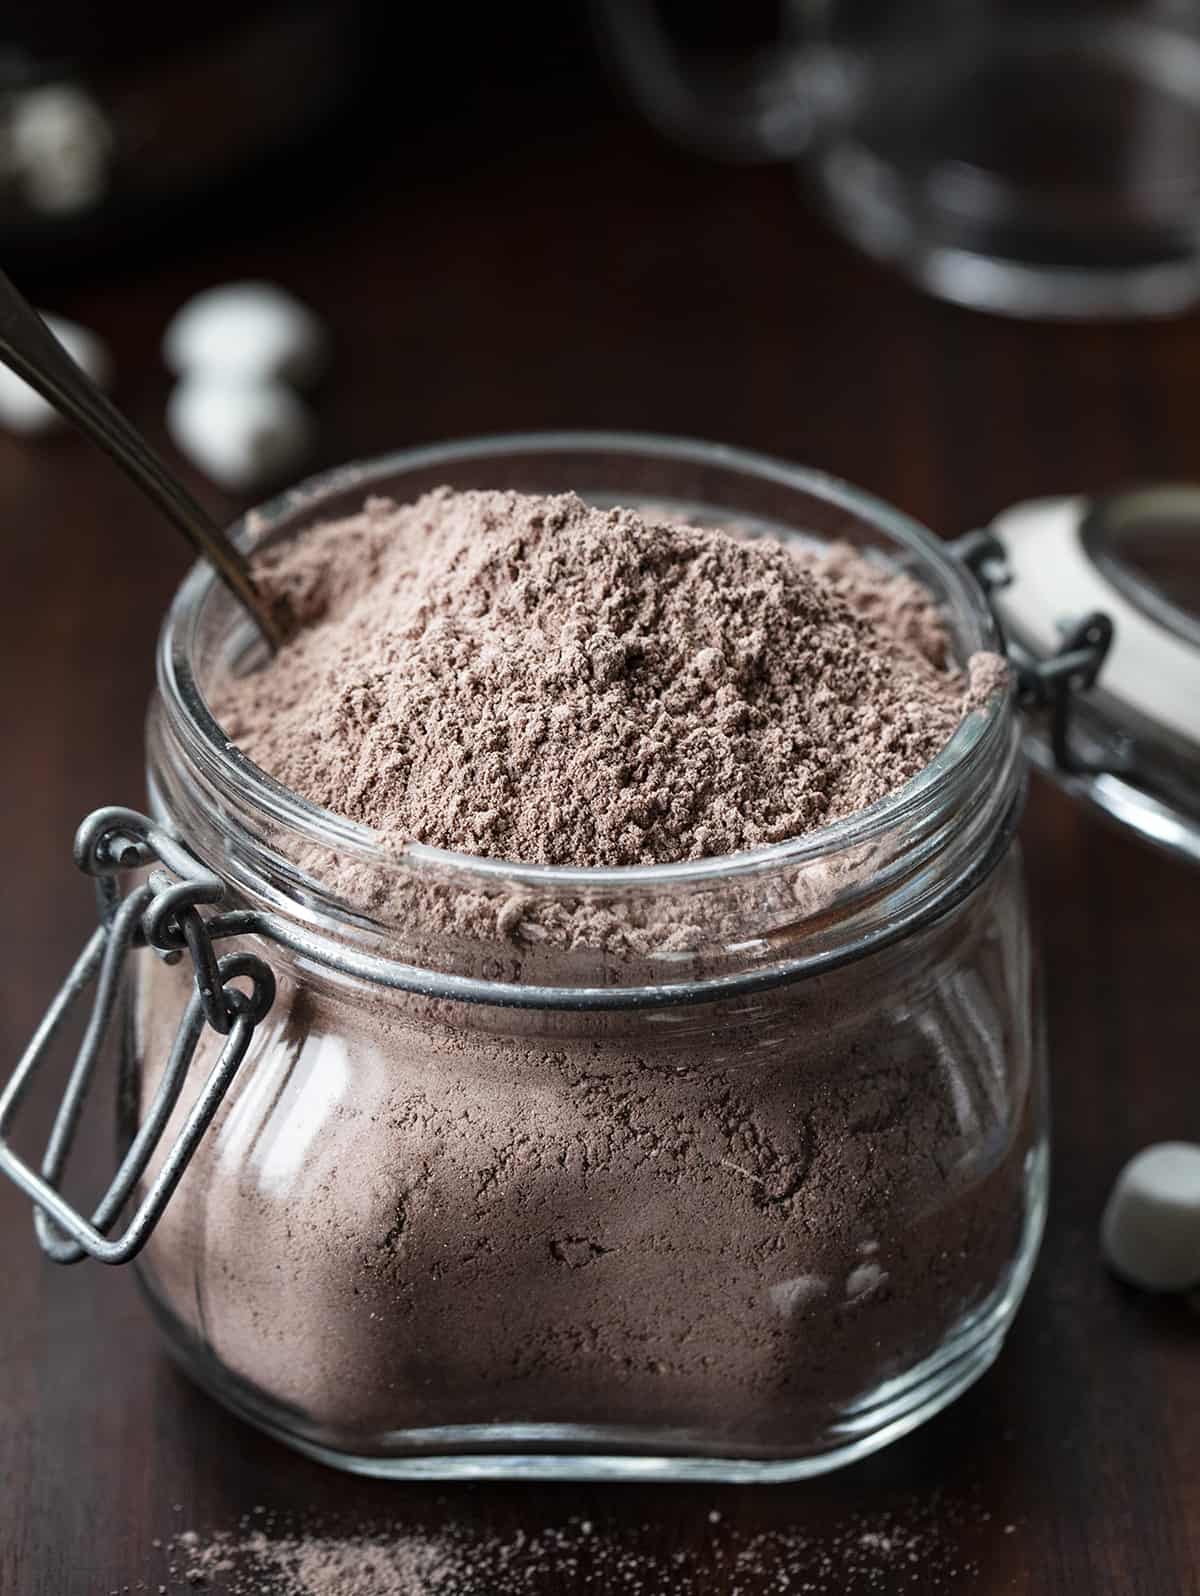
[1052, 684]
[161, 913]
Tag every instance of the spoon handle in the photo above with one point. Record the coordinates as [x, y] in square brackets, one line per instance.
[28, 347]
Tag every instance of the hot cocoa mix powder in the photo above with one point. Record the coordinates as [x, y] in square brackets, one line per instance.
[533, 679]
[719, 1224]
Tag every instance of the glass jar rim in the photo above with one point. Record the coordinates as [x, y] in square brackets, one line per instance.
[309, 822]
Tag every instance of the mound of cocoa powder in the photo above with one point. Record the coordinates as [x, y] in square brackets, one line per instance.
[534, 679]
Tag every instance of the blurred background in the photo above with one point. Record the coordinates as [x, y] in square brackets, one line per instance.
[1033, 156]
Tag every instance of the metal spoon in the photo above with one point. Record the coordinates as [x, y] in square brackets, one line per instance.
[28, 347]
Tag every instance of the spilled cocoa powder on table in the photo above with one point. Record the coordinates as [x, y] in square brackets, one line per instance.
[914, 1548]
[538, 680]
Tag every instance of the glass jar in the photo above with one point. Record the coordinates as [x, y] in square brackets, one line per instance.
[732, 1169]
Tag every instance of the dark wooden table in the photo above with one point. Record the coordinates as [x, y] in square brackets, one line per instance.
[579, 274]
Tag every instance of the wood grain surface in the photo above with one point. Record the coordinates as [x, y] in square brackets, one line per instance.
[576, 273]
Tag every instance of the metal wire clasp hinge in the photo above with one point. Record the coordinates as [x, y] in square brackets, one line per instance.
[1051, 684]
[161, 913]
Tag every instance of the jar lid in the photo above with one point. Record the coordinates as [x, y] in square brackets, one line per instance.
[1129, 564]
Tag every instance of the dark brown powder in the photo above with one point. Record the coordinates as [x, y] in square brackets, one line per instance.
[537, 680]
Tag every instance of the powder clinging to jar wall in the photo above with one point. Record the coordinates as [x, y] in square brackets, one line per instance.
[730, 1224]
[531, 678]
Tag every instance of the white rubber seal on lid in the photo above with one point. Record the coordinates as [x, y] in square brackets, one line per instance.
[1151, 673]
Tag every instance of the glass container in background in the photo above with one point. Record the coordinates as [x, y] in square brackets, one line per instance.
[1038, 159]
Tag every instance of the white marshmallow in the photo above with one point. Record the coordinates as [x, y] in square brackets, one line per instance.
[23, 410]
[1150, 1232]
[61, 145]
[241, 434]
[246, 332]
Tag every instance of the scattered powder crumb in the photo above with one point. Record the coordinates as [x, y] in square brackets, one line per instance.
[874, 1540]
[909, 1553]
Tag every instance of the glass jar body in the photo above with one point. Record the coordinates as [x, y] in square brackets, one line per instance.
[752, 1238]
[732, 1170]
